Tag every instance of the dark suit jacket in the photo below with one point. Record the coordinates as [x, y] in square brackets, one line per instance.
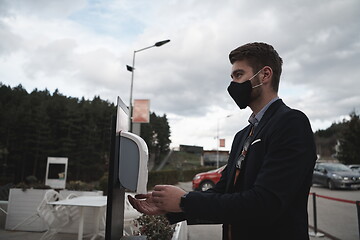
[270, 198]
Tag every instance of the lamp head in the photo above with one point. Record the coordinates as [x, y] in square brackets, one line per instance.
[129, 68]
[158, 44]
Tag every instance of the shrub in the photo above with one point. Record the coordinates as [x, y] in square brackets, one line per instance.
[162, 177]
[80, 186]
[154, 227]
[103, 183]
[172, 177]
[31, 182]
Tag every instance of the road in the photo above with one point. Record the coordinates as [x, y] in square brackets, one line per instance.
[338, 219]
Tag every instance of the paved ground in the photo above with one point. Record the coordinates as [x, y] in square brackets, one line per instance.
[200, 232]
[340, 219]
[18, 235]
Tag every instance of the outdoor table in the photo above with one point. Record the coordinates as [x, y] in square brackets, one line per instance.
[96, 202]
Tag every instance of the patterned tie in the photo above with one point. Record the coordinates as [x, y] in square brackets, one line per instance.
[243, 153]
[238, 167]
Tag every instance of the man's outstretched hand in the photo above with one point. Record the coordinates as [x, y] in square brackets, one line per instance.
[144, 203]
[167, 197]
[164, 198]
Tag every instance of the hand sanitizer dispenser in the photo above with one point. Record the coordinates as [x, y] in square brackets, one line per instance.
[133, 159]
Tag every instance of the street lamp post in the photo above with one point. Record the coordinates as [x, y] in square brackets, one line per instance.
[218, 141]
[132, 69]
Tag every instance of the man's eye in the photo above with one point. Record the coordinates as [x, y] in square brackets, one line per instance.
[237, 75]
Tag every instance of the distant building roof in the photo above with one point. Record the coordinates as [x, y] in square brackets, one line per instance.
[191, 149]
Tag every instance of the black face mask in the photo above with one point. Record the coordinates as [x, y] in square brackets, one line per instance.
[241, 93]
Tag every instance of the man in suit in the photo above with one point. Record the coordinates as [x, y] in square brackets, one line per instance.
[263, 191]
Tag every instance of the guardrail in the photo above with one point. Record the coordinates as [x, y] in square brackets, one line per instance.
[4, 191]
[357, 203]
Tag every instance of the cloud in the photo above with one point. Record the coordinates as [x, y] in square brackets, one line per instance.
[60, 60]
[10, 42]
[41, 8]
[82, 48]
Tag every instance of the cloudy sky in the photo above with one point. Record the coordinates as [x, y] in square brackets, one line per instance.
[82, 47]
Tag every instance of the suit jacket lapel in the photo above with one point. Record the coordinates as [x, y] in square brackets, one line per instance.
[232, 168]
[264, 120]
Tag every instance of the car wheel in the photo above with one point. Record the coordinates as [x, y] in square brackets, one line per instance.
[331, 185]
[206, 185]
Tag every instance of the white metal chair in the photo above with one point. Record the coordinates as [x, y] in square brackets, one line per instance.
[26, 221]
[102, 224]
[55, 217]
[130, 214]
[74, 212]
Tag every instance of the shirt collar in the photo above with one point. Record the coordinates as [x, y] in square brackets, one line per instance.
[255, 119]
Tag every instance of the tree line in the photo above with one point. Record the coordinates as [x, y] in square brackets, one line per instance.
[341, 140]
[38, 125]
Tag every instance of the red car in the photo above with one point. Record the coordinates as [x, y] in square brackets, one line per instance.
[204, 181]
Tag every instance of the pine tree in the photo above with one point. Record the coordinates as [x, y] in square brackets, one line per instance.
[156, 134]
[349, 149]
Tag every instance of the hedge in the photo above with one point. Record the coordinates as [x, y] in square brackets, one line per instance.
[172, 177]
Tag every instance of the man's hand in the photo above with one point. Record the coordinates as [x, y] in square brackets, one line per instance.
[144, 203]
[167, 197]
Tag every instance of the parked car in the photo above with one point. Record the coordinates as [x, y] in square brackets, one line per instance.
[205, 180]
[335, 175]
[355, 167]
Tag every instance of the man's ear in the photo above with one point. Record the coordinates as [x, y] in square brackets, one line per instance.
[267, 74]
